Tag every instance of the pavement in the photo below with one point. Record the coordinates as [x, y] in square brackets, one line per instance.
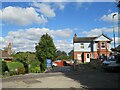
[65, 77]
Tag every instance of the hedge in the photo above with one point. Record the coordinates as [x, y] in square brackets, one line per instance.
[3, 67]
[15, 68]
[34, 67]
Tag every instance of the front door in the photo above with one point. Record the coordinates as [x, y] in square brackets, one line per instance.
[87, 57]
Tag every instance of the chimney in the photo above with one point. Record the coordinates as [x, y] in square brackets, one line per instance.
[75, 36]
[9, 49]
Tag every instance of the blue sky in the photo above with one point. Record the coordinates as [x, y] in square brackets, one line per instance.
[24, 23]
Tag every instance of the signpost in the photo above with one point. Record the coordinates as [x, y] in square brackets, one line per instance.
[49, 63]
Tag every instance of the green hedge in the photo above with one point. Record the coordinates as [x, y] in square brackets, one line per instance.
[15, 68]
[34, 67]
[0, 67]
[35, 70]
[3, 67]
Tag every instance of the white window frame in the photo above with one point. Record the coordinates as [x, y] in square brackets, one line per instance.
[82, 45]
[102, 45]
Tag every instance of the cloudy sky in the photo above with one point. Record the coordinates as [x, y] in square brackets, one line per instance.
[23, 23]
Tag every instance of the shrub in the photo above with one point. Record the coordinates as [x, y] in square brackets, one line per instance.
[34, 66]
[21, 70]
[3, 67]
[12, 73]
[15, 68]
[0, 67]
[35, 70]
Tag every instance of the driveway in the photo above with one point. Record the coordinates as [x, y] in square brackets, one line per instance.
[65, 77]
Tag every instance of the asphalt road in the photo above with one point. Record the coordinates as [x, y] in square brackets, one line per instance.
[65, 77]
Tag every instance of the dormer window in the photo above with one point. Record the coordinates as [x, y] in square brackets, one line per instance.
[82, 45]
[103, 45]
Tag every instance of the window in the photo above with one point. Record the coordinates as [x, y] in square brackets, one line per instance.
[103, 45]
[82, 45]
[88, 55]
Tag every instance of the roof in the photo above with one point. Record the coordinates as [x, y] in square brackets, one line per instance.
[105, 36]
[87, 39]
[84, 39]
[116, 49]
[4, 54]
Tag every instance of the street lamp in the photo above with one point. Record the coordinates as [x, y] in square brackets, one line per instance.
[113, 29]
[118, 5]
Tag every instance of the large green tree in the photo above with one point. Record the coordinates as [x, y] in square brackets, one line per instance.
[45, 50]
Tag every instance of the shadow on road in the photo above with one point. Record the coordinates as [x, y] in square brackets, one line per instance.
[90, 78]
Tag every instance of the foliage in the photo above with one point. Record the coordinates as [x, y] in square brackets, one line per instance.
[35, 70]
[14, 65]
[71, 54]
[3, 67]
[45, 49]
[33, 65]
[62, 55]
[26, 58]
[15, 68]
[21, 70]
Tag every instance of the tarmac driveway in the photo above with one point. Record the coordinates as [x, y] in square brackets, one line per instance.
[65, 77]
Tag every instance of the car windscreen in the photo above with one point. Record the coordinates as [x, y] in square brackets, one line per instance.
[112, 60]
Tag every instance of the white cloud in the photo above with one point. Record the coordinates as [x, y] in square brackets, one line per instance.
[38, 13]
[117, 41]
[109, 17]
[24, 40]
[21, 16]
[61, 6]
[48, 9]
[45, 8]
[64, 45]
[98, 31]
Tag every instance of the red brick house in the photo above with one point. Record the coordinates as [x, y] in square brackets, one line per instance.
[6, 54]
[91, 47]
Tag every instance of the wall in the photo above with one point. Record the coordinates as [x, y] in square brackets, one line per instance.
[75, 54]
[77, 47]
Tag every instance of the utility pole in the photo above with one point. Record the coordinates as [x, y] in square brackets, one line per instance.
[118, 5]
[114, 28]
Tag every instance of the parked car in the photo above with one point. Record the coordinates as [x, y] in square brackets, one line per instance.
[54, 64]
[111, 64]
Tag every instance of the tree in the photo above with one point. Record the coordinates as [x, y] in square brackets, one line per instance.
[45, 50]
[71, 54]
[62, 55]
[24, 57]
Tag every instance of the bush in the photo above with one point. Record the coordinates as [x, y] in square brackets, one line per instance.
[0, 67]
[3, 67]
[15, 68]
[34, 67]
[35, 70]
[21, 70]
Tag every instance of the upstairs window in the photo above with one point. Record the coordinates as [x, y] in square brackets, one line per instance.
[103, 45]
[82, 45]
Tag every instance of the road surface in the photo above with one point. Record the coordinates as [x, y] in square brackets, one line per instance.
[65, 77]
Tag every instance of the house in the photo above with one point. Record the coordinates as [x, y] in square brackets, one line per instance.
[6, 54]
[91, 47]
[116, 49]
